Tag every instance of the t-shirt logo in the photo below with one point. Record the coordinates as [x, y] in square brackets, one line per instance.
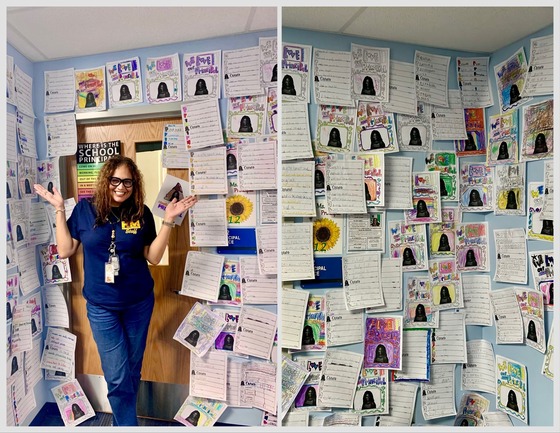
[130, 227]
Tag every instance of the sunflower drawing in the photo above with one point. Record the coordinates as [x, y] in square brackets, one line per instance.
[325, 234]
[239, 209]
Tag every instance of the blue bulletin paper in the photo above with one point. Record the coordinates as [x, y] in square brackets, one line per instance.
[328, 273]
[240, 241]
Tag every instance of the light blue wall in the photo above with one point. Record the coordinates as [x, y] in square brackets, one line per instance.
[240, 416]
[540, 388]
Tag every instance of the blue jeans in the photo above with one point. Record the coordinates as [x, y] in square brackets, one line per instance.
[121, 340]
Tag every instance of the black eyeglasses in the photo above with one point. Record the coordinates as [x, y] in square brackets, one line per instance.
[116, 181]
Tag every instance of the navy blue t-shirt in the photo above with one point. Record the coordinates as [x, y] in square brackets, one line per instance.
[134, 282]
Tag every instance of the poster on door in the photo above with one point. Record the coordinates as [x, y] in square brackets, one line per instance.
[90, 158]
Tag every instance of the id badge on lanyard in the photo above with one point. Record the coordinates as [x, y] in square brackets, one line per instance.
[112, 265]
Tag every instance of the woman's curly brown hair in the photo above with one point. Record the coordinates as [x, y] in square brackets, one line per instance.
[133, 208]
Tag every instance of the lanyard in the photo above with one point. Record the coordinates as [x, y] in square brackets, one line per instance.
[113, 257]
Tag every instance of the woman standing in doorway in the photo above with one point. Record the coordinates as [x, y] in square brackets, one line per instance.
[119, 237]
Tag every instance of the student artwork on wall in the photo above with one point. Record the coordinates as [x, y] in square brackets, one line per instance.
[256, 165]
[548, 362]
[240, 69]
[372, 392]
[328, 231]
[314, 333]
[438, 395]
[320, 175]
[296, 67]
[224, 341]
[476, 189]
[471, 410]
[503, 138]
[425, 198]
[374, 175]
[542, 270]
[172, 188]
[296, 136]
[272, 118]
[90, 89]
[475, 144]
[25, 130]
[403, 89]
[230, 284]
[59, 91]
[537, 125]
[298, 193]
[36, 314]
[72, 403]
[62, 136]
[10, 81]
[375, 128]
[532, 311]
[539, 75]
[294, 376]
[19, 220]
[510, 189]
[511, 255]
[446, 163]
[547, 211]
[473, 79]
[269, 66]
[163, 79]
[208, 171]
[408, 243]
[332, 72]
[173, 153]
[203, 273]
[442, 235]
[362, 281]
[383, 342]
[124, 82]
[416, 357]
[306, 399]
[537, 227]
[370, 73]
[55, 269]
[201, 124]
[344, 186]
[199, 412]
[199, 329]
[448, 123]
[414, 132]
[246, 116]
[48, 173]
[27, 175]
[419, 309]
[431, 72]
[335, 128]
[201, 75]
[446, 285]
[11, 181]
[510, 80]
[511, 388]
[471, 251]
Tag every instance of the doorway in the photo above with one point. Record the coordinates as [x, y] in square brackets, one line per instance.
[165, 369]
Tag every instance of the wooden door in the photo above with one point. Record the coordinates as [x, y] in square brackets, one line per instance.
[165, 360]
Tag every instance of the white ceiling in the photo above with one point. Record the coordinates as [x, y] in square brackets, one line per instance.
[51, 33]
[474, 29]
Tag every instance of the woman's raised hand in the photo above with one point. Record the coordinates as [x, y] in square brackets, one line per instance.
[54, 198]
